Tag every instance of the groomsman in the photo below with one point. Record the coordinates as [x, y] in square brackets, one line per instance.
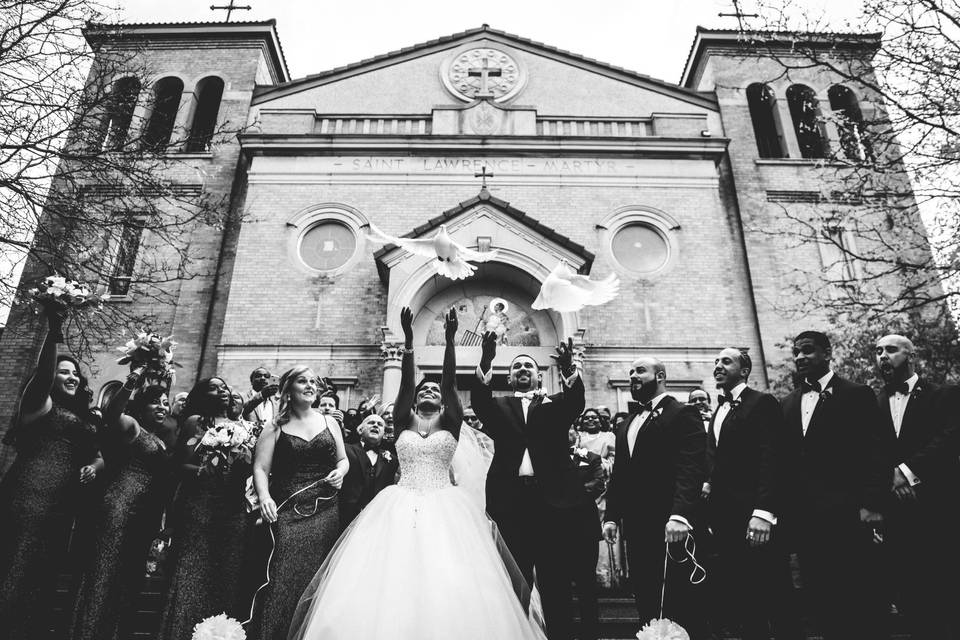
[584, 558]
[534, 493]
[837, 481]
[658, 472]
[921, 420]
[751, 577]
[372, 469]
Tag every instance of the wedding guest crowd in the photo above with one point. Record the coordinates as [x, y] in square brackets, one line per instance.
[712, 502]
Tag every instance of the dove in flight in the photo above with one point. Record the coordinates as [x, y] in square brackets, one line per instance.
[450, 256]
[566, 290]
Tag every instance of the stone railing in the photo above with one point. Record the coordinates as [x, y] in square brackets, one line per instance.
[597, 127]
[378, 125]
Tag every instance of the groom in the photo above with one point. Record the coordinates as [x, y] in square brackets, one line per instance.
[534, 493]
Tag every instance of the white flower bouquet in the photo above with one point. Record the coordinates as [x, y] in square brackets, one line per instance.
[224, 444]
[221, 627]
[662, 629]
[58, 290]
[151, 351]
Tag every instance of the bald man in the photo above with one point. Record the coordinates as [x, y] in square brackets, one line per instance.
[658, 472]
[921, 419]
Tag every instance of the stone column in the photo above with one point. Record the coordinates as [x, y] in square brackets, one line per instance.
[391, 354]
[782, 116]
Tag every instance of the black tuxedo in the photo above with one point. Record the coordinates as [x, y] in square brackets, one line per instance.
[831, 472]
[661, 478]
[585, 556]
[363, 480]
[750, 585]
[927, 445]
[540, 519]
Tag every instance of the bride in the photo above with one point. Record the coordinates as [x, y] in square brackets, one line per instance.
[421, 561]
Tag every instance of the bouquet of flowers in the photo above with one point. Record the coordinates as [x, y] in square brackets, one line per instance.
[221, 627]
[151, 351]
[68, 293]
[662, 629]
[224, 444]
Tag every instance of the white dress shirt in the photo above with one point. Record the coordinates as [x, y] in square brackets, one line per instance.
[724, 409]
[372, 456]
[898, 407]
[809, 400]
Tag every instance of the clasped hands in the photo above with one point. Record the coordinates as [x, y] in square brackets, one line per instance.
[901, 486]
[674, 531]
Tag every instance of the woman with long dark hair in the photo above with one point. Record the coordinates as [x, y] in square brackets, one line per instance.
[298, 469]
[56, 442]
[211, 527]
[128, 515]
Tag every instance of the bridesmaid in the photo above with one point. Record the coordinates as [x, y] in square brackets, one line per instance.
[55, 438]
[128, 515]
[211, 527]
[304, 450]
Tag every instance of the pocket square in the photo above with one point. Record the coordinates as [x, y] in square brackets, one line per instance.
[584, 464]
[546, 400]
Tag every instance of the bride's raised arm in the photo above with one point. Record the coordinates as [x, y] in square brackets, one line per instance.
[452, 417]
[403, 406]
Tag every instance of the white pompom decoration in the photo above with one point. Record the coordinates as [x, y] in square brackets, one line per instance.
[662, 629]
[221, 627]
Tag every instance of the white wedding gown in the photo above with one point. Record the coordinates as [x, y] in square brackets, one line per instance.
[421, 562]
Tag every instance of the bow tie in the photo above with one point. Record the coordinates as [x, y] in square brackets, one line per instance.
[639, 407]
[897, 387]
[529, 395]
[722, 400]
[807, 386]
[371, 447]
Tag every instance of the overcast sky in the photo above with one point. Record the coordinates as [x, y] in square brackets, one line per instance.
[648, 36]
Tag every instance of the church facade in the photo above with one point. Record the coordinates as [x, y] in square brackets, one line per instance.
[515, 146]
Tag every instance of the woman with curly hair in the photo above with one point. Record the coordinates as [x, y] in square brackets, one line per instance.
[211, 527]
[56, 441]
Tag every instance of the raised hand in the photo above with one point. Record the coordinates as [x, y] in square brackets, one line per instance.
[450, 325]
[406, 322]
[488, 349]
[564, 358]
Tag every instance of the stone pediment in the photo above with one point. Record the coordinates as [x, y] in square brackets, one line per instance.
[485, 222]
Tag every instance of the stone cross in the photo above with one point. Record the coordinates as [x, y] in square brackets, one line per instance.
[484, 73]
[484, 175]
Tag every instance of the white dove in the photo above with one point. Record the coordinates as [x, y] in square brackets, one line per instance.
[565, 290]
[451, 257]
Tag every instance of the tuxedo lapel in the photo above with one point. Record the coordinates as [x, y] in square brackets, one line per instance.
[826, 397]
[791, 411]
[912, 410]
[884, 400]
[516, 407]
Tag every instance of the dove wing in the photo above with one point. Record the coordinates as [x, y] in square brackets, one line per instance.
[470, 254]
[418, 246]
[577, 292]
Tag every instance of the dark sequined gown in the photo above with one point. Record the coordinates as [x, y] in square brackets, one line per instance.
[306, 528]
[126, 521]
[211, 537]
[38, 502]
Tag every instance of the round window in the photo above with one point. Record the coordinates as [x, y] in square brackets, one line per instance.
[328, 245]
[640, 248]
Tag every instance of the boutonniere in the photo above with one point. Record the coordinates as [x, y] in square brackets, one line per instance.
[915, 392]
[826, 394]
[734, 404]
[656, 413]
[581, 452]
[386, 455]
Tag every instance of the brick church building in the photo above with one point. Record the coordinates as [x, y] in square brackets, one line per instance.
[669, 186]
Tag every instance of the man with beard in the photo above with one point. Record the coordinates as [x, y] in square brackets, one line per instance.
[837, 481]
[534, 493]
[921, 420]
[658, 472]
[372, 468]
[751, 575]
[260, 403]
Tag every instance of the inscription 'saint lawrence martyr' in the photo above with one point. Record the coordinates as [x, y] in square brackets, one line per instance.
[484, 72]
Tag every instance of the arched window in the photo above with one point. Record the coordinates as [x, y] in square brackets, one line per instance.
[763, 106]
[208, 93]
[846, 107]
[119, 108]
[166, 102]
[805, 112]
